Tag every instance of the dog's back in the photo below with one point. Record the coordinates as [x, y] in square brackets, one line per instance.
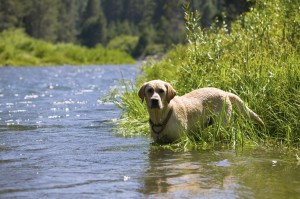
[215, 100]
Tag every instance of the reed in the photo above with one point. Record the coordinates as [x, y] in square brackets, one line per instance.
[257, 59]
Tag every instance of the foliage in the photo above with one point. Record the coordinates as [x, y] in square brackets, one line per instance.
[17, 49]
[90, 22]
[93, 26]
[124, 43]
[258, 59]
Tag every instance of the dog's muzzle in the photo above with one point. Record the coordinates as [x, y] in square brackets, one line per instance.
[154, 103]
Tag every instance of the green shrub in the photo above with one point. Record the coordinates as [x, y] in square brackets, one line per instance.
[18, 49]
[124, 43]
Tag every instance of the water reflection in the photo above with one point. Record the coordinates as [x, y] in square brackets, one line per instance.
[190, 174]
[220, 174]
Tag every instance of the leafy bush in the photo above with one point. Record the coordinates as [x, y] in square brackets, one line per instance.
[17, 49]
[257, 59]
[124, 43]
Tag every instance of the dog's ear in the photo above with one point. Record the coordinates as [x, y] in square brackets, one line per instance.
[141, 92]
[171, 93]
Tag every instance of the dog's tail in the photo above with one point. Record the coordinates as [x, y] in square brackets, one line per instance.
[244, 109]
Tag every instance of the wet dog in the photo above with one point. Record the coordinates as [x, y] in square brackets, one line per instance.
[172, 115]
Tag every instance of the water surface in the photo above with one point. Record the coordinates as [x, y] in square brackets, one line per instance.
[56, 141]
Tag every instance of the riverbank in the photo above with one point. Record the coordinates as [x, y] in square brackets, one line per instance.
[18, 49]
[258, 59]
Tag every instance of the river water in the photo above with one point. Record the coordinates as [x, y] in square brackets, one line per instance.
[56, 141]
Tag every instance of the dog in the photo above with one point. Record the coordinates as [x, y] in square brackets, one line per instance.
[172, 115]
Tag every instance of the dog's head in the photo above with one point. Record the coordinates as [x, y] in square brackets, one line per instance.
[157, 94]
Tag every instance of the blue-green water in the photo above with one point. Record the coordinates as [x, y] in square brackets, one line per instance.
[56, 141]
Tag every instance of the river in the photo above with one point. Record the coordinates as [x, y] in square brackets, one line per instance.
[56, 141]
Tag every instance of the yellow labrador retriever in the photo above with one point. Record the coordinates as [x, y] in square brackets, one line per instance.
[171, 115]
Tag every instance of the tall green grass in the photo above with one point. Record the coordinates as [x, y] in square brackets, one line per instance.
[257, 59]
[18, 49]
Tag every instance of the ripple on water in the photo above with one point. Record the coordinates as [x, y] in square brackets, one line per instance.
[14, 127]
[223, 163]
[54, 117]
[31, 96]
[25, 102]
[17, 111]
[9, 104]
[70, 101]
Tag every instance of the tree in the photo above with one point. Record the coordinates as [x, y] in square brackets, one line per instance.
[41, 22]
[113, 10]
[68, 19]
[94, 24]
[12, 13]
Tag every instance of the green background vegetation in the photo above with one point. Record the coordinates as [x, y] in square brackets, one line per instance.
[141, 27]
[257, 59]
[18, 49]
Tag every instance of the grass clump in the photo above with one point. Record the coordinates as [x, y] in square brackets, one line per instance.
[18, 49]
[257, 59]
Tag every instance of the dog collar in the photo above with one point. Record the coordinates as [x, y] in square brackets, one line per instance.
[162, 125]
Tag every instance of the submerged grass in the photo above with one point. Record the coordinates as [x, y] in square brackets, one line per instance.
[257, 59]
[18, 49]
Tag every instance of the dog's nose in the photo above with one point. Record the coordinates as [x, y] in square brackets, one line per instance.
[154, 103]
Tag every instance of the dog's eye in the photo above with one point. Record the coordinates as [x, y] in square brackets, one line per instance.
[150, 90]
[160, 91]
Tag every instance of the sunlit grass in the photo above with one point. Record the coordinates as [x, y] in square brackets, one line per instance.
[18, 49]
[257, 60]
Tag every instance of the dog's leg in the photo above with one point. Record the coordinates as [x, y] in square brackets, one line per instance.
[224, 110]
[210, 122]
